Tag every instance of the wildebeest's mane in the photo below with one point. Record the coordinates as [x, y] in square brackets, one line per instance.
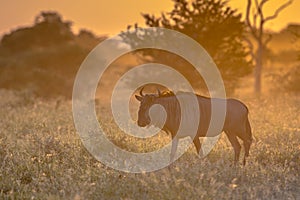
[169, 93]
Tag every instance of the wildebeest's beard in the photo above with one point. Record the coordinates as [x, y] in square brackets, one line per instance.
[143, 117]
[143, 113]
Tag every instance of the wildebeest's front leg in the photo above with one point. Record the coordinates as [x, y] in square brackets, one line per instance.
[174, 148]
[197, 144]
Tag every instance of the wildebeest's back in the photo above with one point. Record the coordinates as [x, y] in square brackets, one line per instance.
[236, 115]
[235, 120]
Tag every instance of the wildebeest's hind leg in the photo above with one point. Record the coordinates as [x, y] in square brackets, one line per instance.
[235, 144]
[247, 140]
[173, 148]
[197, 144]
[247, 148]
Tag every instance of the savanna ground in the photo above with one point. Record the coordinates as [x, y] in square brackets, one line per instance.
[42, 157]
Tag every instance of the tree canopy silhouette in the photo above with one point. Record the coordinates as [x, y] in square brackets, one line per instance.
[214, 25]
[49, 29]
[44, 58]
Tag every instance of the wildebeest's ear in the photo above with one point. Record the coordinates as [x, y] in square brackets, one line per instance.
[139, 98]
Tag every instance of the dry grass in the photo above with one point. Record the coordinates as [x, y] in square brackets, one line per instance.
[41, 157]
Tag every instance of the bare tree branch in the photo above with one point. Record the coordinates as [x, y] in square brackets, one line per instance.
[261, 17]
[249, 3]
[260, 9]
[257, 13]
[262, 3]
[251, 48]
[282, 7]
[265, 43]
[255, 19]
[257, 31]
[248, 22]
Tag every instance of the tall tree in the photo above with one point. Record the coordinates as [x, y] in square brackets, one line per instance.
[255, 21]
[295, 30]
[214, 25]
[49, 29]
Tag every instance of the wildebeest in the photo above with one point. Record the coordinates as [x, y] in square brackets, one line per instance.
[236, 124]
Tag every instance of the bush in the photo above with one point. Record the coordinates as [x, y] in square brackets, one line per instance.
[290, 81]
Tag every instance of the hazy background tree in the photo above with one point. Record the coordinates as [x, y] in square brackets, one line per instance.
[256, 20]
[44, 58]
[49, 29]
[295, 30]
[291, 79]
[214, 25]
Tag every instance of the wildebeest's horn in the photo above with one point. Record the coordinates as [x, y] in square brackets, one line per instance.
[141, 92]
[158, 91]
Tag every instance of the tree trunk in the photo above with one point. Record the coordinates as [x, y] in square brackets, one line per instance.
[258, 69]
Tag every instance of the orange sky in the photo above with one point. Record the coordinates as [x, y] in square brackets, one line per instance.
[112, 16]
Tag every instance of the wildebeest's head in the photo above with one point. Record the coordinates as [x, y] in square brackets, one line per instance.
[146, 102]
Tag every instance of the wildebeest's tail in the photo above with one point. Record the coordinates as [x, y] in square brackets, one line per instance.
[248, 130]
[249, 138]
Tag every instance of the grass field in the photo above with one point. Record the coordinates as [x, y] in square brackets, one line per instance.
[42, 157]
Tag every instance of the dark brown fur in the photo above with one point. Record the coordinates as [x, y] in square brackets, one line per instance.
[236, 123]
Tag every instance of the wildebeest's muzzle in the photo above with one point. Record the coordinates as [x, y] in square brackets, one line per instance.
[143, 123]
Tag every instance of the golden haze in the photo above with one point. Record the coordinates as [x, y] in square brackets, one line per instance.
[110, 17]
